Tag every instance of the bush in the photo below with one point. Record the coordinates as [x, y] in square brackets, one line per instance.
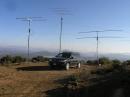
[89, 62]
[116, 63]
[6, 59]
[18, 59]
[126, 62]
[104, 61]
[39, 59]
[104, 70]
[92, 62]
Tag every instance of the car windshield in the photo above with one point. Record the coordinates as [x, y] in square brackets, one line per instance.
[64, 55]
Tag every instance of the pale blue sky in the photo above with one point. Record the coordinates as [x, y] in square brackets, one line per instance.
[86, 15]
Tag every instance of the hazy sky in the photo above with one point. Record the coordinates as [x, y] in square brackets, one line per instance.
[86, 15]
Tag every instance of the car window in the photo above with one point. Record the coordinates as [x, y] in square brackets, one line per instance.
[59, 55]
[64, 55]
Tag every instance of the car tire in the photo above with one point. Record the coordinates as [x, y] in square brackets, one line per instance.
[78, 65]
[67, 66]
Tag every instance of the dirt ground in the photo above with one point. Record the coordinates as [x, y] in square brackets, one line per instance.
[31, 80]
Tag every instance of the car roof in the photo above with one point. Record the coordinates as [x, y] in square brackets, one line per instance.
[72, 53]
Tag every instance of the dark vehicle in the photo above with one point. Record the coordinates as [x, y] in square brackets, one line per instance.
[66, 60]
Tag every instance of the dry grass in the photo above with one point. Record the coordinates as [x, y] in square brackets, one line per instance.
[30, 80]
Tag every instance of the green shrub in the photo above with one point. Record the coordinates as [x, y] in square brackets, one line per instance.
[18, 59]
[39, 59]
[92, 62]
[104, 61]
[6, 59]
[116, 62]
[126, 62]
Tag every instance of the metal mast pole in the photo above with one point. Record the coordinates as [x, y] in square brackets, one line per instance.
[97, 49]
[29, 31]
[61, 12]
[61, 24]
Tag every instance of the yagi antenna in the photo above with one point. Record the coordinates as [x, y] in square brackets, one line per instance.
[62, 11]
[29, 20]
[110, 30]
[97, 39]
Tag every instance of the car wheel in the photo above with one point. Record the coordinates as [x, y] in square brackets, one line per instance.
[79, 65]
[67, 66]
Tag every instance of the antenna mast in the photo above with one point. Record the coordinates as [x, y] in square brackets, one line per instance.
[97, 48]
[29, 20]
[97, 39]
[29, 31]
[61, 12]
[61, 34]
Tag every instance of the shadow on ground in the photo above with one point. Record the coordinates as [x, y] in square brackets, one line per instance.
[37, 68]
[118, 85]
[58, 92]
[99, 90]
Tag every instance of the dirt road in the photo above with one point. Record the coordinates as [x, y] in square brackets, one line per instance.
[31, 80]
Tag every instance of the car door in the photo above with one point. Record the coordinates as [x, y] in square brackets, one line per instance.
[73, 60]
